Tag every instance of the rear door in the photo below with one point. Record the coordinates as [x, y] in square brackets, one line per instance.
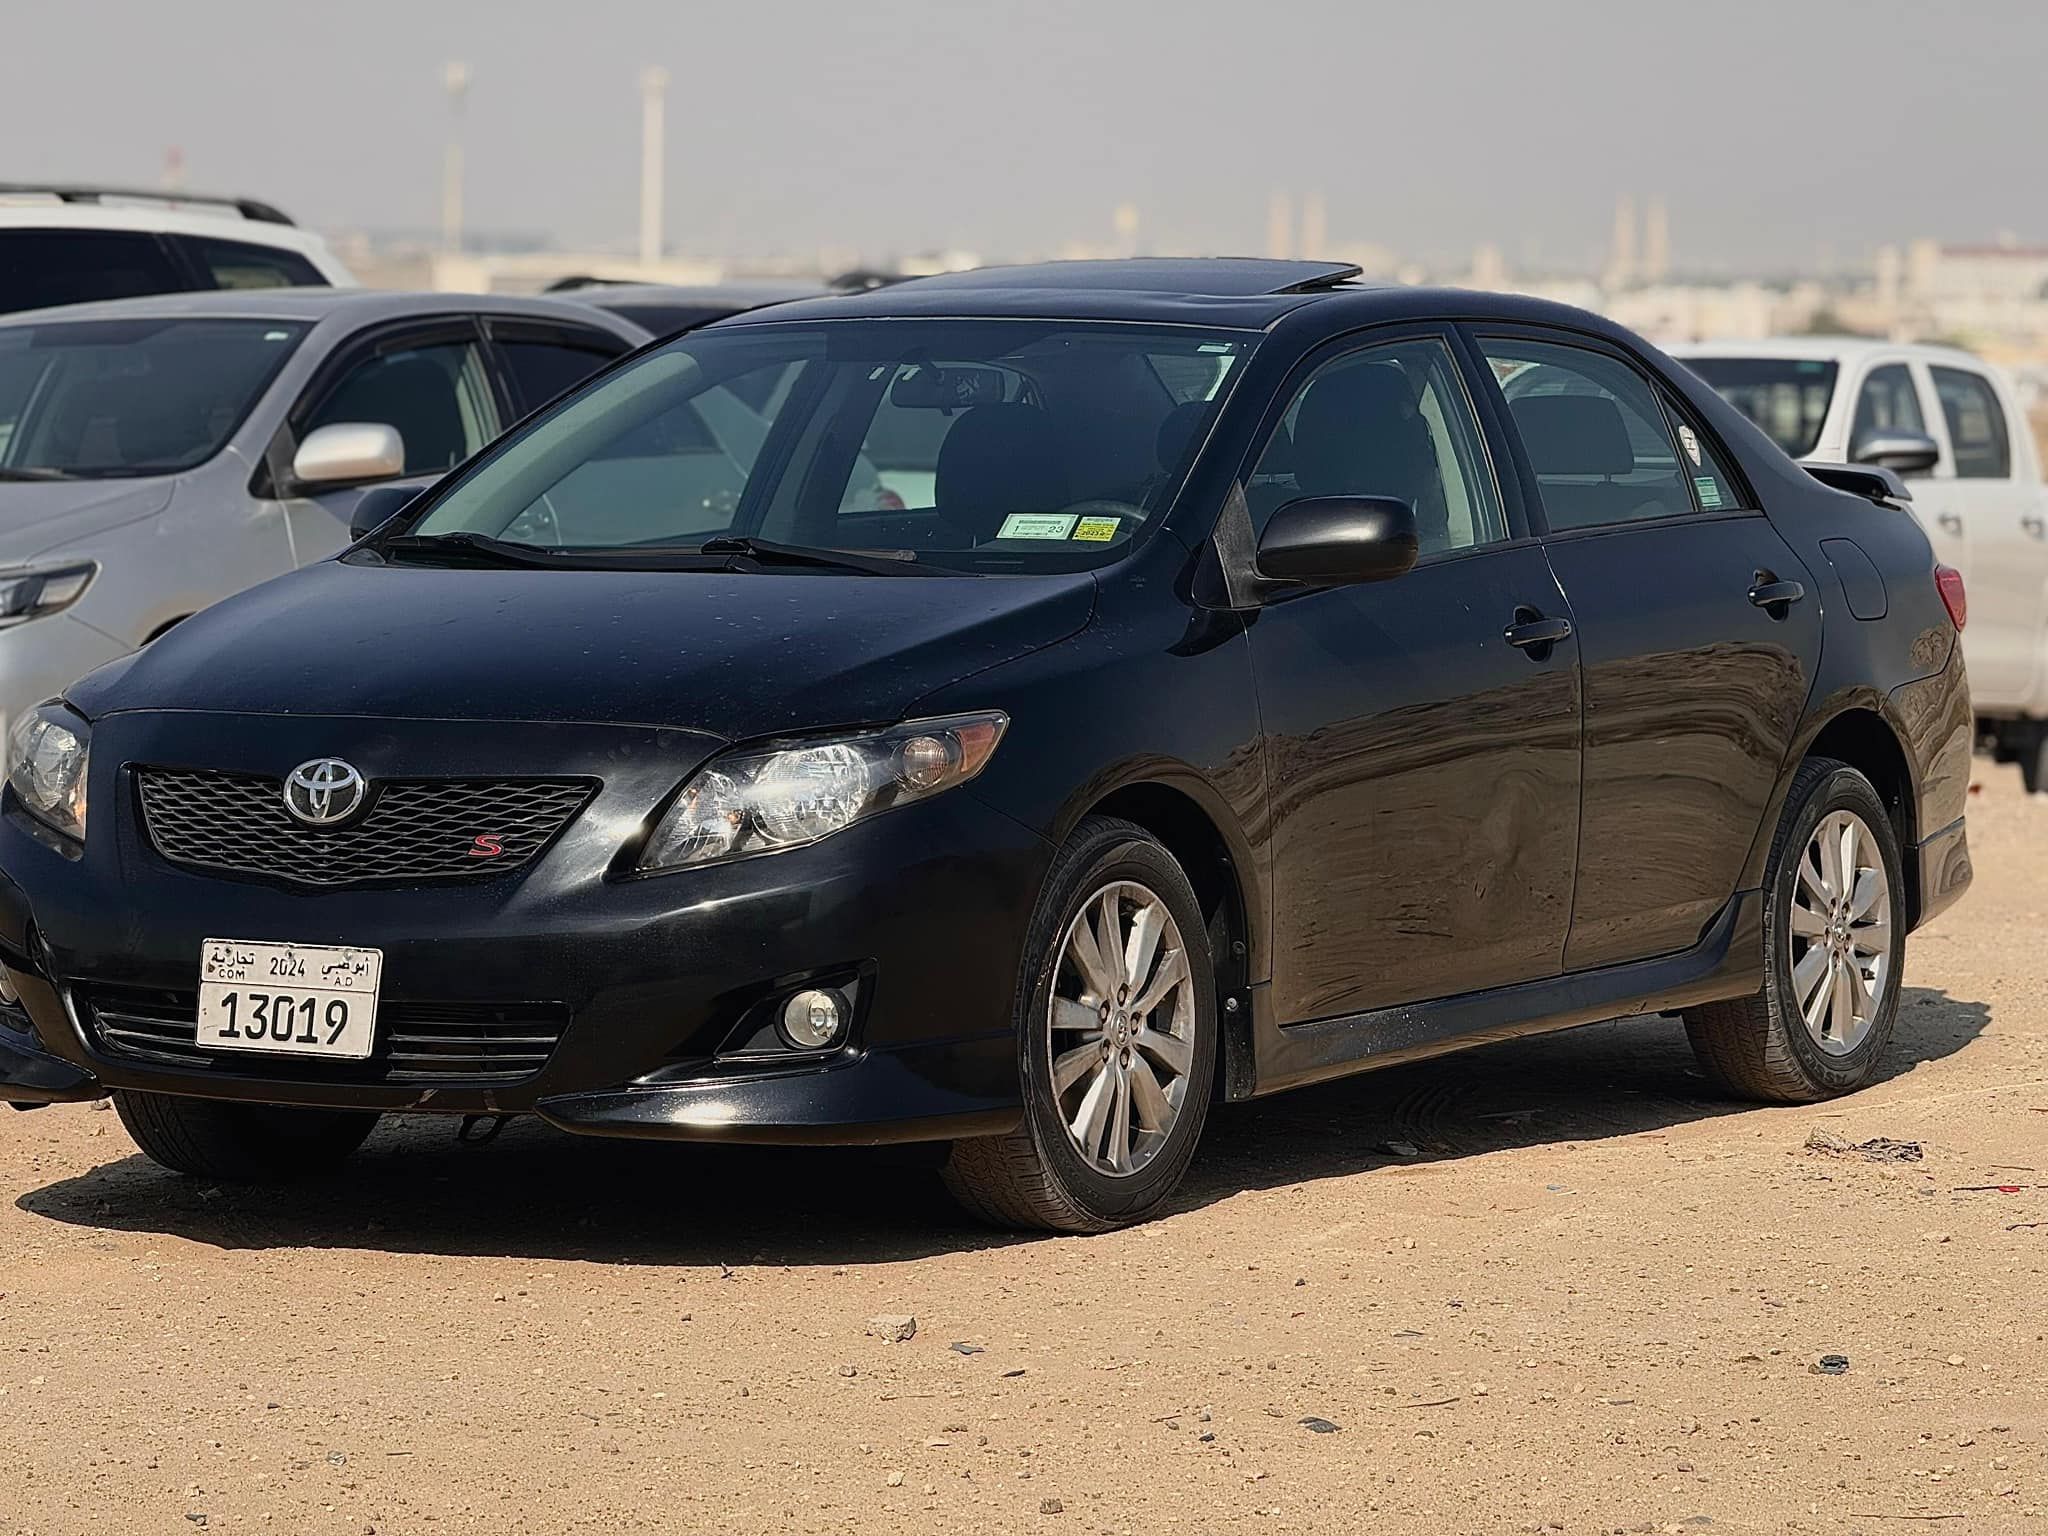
[1698, 633]
[1422, 734]
[1989, 484]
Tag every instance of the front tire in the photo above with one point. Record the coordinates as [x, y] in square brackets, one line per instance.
[240, 1143]
[1116, 1035]
[1834, 942]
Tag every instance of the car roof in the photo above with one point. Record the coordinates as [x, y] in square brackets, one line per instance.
[1239, 293]
[35, 210]
[1829, 349]
[350, 306]
[740, 293]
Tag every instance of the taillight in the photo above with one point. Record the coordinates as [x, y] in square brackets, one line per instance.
[1949, 581]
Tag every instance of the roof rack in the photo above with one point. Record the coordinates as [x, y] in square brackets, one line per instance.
[247, 207]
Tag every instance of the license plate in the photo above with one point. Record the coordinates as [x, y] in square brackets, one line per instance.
[290, 999]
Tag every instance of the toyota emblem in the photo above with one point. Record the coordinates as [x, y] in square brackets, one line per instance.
[324, 791]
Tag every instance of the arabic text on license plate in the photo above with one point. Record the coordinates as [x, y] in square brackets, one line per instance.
[290, 999]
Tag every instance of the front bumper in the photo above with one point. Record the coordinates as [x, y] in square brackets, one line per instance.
[919, 911]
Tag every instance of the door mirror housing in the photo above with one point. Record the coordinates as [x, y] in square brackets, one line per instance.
[377, 506]
[1337, 541]
[1903, 453]
[349, 453]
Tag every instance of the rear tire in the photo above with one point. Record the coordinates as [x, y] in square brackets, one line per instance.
[1116, 1070]
[1853, 938]
[240, 1143]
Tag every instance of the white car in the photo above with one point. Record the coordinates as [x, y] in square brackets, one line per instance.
[1950, 424]
[77, 245]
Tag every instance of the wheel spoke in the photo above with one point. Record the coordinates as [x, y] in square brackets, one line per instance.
[1109, 938]
[1862, 996]
[1872, 938]
[1143, 945]
[1070, 1067]
[1094, 966]
[1806, 922]
[1172, 1052]
[1120, 1121]
[1809, 974]
[1869, 886]
[1811, 878]
[1842, 1017]
[1077, 1017]
[1815, 1008]
[1173, 970]
[1830, 840]
[1093, 1115]
[1154, 1109]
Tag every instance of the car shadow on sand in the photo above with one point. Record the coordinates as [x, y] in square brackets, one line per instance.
[537, 1193]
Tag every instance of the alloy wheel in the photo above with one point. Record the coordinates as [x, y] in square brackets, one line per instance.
[1841, 922]
[1121, 1028]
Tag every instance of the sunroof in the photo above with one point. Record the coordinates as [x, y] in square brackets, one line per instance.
[1227, 276]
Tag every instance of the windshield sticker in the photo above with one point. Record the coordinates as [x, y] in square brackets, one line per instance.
[1097, 530]
[1709, 489]
[1036, 525]
[1692, 445]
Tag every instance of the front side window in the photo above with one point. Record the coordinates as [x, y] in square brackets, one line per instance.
[92, 399]
[1393, 421]
[1976, 424]
[1886, 403]
[1786, 396]
[986, 445]
[436, 396]
[41, 267]
[1595, 433]
[542, 370]
[238, 264]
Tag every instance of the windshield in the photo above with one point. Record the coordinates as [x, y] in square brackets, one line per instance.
[1786, 396]
[983, 445]
[90, 399]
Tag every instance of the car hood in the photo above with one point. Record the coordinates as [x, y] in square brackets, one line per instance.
[40, 515]
[733, 654]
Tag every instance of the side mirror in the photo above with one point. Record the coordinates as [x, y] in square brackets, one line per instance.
[1903, 453]
[1335, 541]
[377, 506]
[348, 453]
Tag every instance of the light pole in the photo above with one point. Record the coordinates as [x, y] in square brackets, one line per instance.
[653, 87]
[455, 80]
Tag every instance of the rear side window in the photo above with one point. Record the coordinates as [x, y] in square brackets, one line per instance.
[1887, 402]
[542, 370]
[1594, 432]
[40, 267]
[1976, 424]
[238, 264]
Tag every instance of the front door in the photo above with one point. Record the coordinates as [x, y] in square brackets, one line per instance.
[1698, 629]
[1423, 762]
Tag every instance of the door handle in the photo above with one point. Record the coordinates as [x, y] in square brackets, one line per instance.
[1533, 633]
[1773, 596]
[2034, 526]
[1951, 524]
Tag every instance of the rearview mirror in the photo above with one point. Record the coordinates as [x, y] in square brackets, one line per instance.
[947, 389]
[377, 506]
[1334, 541]
[1903, 453]
[349, 453]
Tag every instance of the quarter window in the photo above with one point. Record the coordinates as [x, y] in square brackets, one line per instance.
[1391, 421]
[436, 396]
[1595, 434]
[238, 264]
[1976, 424]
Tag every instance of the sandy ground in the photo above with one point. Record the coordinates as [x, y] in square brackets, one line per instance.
[1547, 1286]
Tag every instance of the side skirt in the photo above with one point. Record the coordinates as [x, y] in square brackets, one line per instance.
[1726, 962]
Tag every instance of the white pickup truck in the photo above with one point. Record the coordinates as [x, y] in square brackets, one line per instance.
[1949, 423]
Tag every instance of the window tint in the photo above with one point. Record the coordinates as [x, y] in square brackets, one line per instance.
[1594, 432]
[237, 264]
[40, 267]
[436, 396]
[542, 370]
[1976, 424]
[1887, 402]
[1787, 397]
[1390, 421]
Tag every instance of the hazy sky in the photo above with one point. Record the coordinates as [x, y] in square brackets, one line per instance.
[1779, 133]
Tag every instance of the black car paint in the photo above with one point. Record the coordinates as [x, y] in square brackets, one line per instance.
[1380, 810]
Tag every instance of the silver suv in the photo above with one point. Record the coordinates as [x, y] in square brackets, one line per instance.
[159, 454]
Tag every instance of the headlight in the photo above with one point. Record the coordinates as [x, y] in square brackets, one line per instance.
[759, 800]
[32, 591]
[46, 757]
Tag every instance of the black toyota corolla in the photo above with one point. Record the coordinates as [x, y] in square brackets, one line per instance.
[1015, 710]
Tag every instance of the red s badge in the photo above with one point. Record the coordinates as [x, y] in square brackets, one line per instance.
[488, 845]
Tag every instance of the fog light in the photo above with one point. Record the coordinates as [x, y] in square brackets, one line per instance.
[815, 1019]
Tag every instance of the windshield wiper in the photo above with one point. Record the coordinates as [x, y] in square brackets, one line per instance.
[892, 562]
[8, 473]
[476, 548]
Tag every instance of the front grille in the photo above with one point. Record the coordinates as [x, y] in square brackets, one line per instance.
[415, 1042]
[413, 829]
